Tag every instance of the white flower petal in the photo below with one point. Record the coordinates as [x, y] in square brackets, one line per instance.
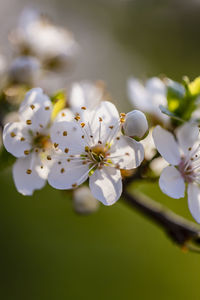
[187, 135]
[64, 115]
[106, 185]
[24, 182]
[109, 115]
[166, 145]
[68, 135]
[36, 108]
[16, 138]
[84, 94]
[194, 201]
[138, 95]
[172, 183]
[156, 86]
[66, 175]
[126, 152]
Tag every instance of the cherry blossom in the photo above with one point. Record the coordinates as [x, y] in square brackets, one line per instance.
[93, 146]
[183, 155]
[29, 141]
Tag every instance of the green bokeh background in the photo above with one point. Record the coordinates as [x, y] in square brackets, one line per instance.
[47, 251]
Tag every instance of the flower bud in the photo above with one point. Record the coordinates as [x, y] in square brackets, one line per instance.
[135, 124]
[84, 202]
[24, 70]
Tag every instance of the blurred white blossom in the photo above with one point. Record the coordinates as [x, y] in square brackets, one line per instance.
[148, 97]
[24, 70]
[36, 35]
[84, 202]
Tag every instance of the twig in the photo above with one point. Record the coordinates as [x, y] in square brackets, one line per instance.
[181, 231]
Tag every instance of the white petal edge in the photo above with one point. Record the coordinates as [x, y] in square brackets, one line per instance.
[172, 183]
[194, 201]
[25, 183]
[106, 185]
[166, 145]
[187, 135]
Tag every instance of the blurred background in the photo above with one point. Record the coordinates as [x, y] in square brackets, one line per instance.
[49, 252]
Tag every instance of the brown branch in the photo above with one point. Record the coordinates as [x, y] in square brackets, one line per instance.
[181, 231]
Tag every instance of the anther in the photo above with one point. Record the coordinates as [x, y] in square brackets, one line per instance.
[123, 115]
[28, 171]
[83, 107]
[55, 145]
[64, 133]
[82, 125]
[100, 119]
[48, 157]
[22, 139]
[74, 185]
[68, 160]
[111, 127]
[41, 167]
[41, 126]
[32, 106]
[28, 122]
[118, 138]
[26, 152]
[66, 150]
[83, 136]
[47, 108]
[63, 114]
[189, 149]
[62, 170]
[59, 162]
[12, 134]
[100, 142]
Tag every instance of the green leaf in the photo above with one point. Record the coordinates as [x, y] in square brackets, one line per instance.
[166, 111]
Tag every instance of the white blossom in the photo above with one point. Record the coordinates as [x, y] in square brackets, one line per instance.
[183, 155]
[38, 36]
[29, 141]
[84, 202]
[24, 70]
[148, 97]
[93, 146]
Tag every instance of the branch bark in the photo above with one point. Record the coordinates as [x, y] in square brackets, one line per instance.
[184, 233]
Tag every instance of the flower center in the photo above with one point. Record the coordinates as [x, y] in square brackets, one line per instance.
[97, 153]
[186, 170]
[41, 141]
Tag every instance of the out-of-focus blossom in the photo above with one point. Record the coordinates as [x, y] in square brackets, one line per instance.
[36, 35]
[83, 94]
[148, 97]
[84, 202]
[135, 124]
[29, 141]
[3, 64]
[94, 147]
[149, 146]
[183, 156]
[24, 70]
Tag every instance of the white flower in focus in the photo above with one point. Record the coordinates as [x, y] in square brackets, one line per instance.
[29, 141]
[148, 97]
[183, 156]
[84, 202]
[94, 147]
[36, 35]
[24, 70]
[135, 124]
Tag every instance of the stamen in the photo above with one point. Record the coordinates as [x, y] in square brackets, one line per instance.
[28, 171]
[32, 106]
[64, 133]
[28, 122]
[12, 134]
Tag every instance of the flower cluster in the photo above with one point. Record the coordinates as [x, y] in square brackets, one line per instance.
[73, 136]
[77, 145]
